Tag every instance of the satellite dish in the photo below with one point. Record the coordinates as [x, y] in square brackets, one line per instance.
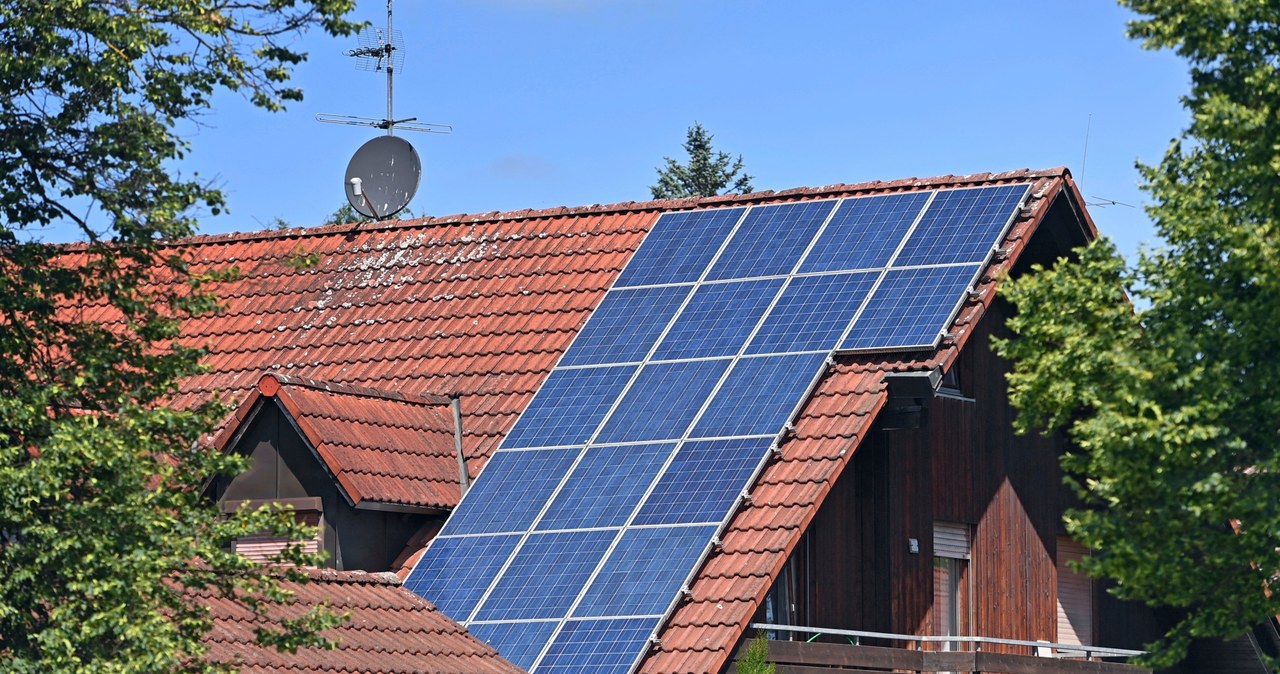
[383, 176]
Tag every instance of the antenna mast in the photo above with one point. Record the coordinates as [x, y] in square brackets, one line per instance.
[380, 51]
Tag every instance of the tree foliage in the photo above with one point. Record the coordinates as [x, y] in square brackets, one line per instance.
[706, 174]
[1173, 404]
[756, 660]
[103, 528]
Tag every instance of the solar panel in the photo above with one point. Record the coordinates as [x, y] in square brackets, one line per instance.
[598, 646]
[663, 400]
[962, 225]
[679, 247]
[644, 571]
[759, 395]
[464, 568]
[812, 313]
[575, 539]
[703, 481]
[864, 232]
[625, 325]
[515, 487]
[771, 239]
[568, 407]
[606, 486]
[521, 642]
[718, 320]
[545, 575]
[910, 307]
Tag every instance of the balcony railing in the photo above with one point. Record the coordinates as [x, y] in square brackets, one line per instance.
[911, 653]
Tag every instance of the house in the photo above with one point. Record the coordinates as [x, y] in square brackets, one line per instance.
[378, 368]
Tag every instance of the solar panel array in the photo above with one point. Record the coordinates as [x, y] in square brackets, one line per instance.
[575, 541]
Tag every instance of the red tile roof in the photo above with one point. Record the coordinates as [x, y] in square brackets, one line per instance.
[381, 446]
[390, 630]
[484, 305]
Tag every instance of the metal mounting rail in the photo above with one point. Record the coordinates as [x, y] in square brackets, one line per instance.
[1067, 650]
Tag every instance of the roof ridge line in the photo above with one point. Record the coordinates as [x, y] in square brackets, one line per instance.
[685, 203]
[270, 388]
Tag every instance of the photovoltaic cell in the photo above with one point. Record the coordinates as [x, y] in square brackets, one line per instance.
[703, 481]
[961, 225]
[663, 401]
[511, 491]
[545, 576]
[606, 486]
[910, 307]
[864, 232]
[771, 240]
[568, 407]
[759, 395]
[598, 646]
[718, 319]
[625, 325]
[812, 313]
[644, 571]
[679, 247]
[519, 643]
[454, 572]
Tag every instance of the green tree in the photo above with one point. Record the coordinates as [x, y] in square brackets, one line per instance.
[756, 660]
[104, 533]
[706, 174]
[1173, 403]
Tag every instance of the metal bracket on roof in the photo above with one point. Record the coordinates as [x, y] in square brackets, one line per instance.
[717, 543]
[974, 294]
[1026, 209]
[685, 593]
[775, 451]
[829, 362]
[655, 641]
[746, 497]
[1001, 254]
[909, 397]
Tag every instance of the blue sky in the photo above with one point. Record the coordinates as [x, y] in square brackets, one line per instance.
[575, 102]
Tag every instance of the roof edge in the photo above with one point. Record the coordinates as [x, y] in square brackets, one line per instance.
[270, 383]
[832, 190]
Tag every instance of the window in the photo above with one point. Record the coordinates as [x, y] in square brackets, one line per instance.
[1075, 596]
[261, 548]
[950, 580]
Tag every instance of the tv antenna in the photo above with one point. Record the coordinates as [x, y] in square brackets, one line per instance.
[383, 175]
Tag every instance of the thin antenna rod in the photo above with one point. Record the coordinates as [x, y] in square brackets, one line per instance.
[1083, 160]
[391, 128]
[377, 52]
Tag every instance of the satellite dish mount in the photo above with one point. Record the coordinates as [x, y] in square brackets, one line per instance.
[383, 175]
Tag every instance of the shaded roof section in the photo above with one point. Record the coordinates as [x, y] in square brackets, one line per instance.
[390, 630]
[731, 585]
[380, 446]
